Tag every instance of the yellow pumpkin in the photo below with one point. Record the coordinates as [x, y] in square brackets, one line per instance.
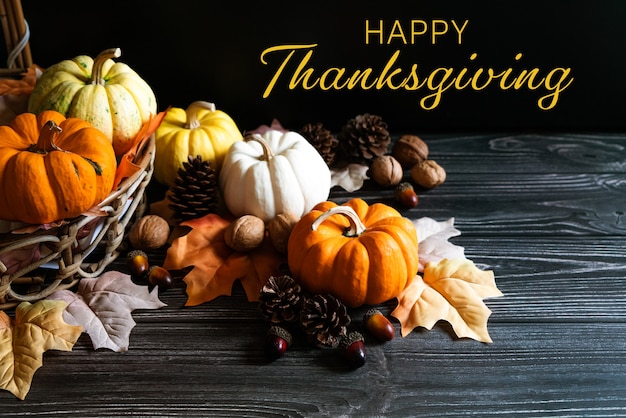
[109, 95]
[200, 130]
[359, 253]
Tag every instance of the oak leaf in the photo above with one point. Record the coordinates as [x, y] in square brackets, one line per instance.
[36, 328]
[450, 290]
[103, 306]
[215, 265]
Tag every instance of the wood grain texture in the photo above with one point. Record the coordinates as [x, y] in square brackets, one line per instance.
[544, 212]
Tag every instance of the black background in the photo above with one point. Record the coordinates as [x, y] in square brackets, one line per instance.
[207, 50]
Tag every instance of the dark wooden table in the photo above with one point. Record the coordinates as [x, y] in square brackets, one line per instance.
[545, 212]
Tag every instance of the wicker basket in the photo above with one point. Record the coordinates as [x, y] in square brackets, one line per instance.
[82, 247]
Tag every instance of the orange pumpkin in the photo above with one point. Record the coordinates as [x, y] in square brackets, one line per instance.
[359, 253]
[52, 168]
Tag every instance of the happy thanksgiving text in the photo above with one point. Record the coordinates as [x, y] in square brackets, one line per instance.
[294, 67]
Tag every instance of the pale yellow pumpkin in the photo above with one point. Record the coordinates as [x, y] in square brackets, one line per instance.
[109, 95]
[200, 130]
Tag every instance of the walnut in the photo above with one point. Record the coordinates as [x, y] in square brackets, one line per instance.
[245, 233]
[279, 230]
[428, 174]
[149, 233]
[386, 171]
[409, 150]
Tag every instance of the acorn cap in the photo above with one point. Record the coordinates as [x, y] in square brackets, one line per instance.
[281, 333]
[370, 313]
[351, 338]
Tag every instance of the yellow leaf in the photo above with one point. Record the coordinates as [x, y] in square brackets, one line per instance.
[453, 291]
[36, 328]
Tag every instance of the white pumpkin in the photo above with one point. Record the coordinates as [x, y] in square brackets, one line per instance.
[276, 172]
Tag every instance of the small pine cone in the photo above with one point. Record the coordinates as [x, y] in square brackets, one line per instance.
[364, 138]
[195, 191]
[280, 300]
[325, 320]
[322, 140]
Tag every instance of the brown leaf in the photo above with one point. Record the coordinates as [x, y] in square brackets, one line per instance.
[215, 265]
[103, 306]
[36, 328]
[451, 290]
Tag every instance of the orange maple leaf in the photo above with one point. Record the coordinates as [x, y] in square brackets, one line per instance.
[215, 265]
[127, 166]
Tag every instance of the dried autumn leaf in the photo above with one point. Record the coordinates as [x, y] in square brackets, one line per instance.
[37, 328]
[215, 265]
[23, 86]
[127, 166]
[453, 291]
[433, 239]
[350, 177]
[103, 306]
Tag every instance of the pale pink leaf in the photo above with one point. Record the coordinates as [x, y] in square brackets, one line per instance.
[350, 178]
[433, 241]
[103, 307]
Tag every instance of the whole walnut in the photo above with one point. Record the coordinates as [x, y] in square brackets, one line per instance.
[149, 233]
[386, 171]
[279, 230]
[409, 150]
[245, 233]
[428, 174]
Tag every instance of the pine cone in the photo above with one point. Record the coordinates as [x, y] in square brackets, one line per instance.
[325, 320]
[195, 191]
[364, 138]
[322, 140]
[280, 300]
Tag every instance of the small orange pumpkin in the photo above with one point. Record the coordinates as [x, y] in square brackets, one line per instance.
[359, 253]
[52, 168]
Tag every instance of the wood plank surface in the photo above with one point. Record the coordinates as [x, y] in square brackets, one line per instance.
[546, 212]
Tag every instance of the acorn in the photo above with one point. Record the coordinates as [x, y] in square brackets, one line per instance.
[277, 341]
[158, 276]
[352, 348]
[405, 195]
[137, 263]
[378, 325]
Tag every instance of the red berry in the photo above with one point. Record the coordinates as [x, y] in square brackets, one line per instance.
[276, 342]
[378, 325]
[353, 349]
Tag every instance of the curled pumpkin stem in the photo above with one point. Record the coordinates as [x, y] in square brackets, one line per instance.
[267, 150]
[45, 142]
[356, 227]
[98, 62]
[192, 113]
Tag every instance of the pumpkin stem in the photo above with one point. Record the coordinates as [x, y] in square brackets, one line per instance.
[356, 225]
[267, 151]
[192, 113]
[96, 71]
[45, 142]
